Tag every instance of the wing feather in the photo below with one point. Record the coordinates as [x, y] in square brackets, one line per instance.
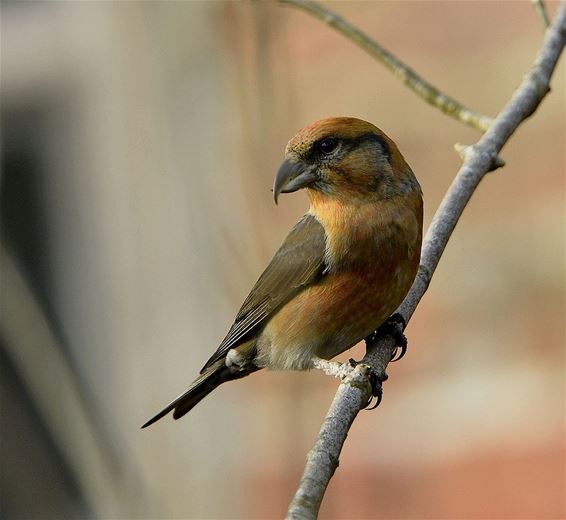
[298, 263]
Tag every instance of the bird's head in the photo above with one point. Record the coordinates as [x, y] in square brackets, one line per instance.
[344, 158]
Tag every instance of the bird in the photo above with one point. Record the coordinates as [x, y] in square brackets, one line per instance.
[343, 269]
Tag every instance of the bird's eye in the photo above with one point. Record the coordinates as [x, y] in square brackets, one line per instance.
[327, 145]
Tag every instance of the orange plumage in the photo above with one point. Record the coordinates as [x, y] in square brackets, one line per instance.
[343, 269]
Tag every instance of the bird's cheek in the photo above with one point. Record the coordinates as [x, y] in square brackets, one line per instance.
[327, 180]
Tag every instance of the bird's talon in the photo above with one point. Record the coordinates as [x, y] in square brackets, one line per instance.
[396, 357]
[391, 328]
[401, 341]
[376, 390]
[377, 402]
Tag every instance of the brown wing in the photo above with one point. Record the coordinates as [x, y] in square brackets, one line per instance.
[298, 262]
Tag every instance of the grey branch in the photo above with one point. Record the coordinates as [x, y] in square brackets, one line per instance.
[408, 76]
[540, 8]
[479, 159]
[464, 151]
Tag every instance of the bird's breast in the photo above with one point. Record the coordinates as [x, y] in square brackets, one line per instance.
[372, 256]
[333, 315]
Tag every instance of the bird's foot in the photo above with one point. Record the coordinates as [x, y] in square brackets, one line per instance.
[350, 372]
[394, 327]
[376, 382]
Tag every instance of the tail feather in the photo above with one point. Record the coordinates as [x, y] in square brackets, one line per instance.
[199, 389]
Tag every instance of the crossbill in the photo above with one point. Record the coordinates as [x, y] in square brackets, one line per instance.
[342, 270]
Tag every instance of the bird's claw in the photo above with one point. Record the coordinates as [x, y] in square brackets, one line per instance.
[376, 391]
[391, 328]
[376, 386]
[403, 347]
[400, 338]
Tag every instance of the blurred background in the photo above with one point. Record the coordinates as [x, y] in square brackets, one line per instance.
[139, 145]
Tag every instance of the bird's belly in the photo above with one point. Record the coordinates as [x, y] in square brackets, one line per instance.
[330, 317]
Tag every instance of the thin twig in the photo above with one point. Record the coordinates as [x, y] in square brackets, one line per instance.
[323, 458]
[408, 76]
[540, 8]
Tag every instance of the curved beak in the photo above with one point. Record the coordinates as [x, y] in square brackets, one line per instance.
[293, 176]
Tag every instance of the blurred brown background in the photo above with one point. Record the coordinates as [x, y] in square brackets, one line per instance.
[140, 140]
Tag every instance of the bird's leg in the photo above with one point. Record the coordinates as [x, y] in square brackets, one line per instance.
[394, 327]
[332, 368]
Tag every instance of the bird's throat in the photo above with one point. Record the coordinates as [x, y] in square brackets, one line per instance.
[359, 232]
